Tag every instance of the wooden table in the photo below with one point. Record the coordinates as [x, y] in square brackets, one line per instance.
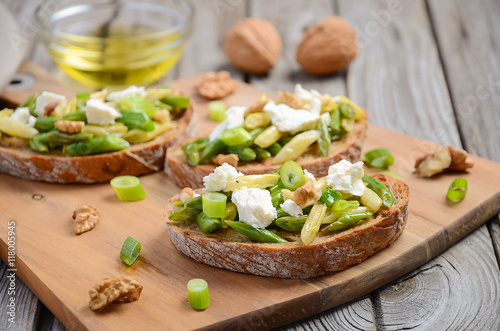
[429, 69]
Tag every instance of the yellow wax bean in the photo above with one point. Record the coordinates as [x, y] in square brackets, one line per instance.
[136, 136]
[17, 129]
[250, 181]
[295, 147]
[268, 137]
[371, 200]
[257, 120]
[312, 224]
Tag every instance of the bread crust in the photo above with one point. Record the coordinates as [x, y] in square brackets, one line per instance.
[139, 159]
[348, 148]
[326, 254]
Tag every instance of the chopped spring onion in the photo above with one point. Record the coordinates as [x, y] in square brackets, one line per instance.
[130, 251]
[457, 190]
[214, 204]
[198, 295]
[128, 188]
[292, 175]
[217, 111]
[390, 173]
[235, 136]
[379, 158]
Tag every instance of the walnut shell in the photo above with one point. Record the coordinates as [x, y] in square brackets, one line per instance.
[253, 45]
[327, 46]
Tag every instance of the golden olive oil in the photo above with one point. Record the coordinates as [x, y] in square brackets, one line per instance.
[118, 59]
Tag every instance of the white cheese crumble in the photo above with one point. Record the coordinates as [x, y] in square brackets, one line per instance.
[255, 207]
[100, 113]
[44, 99]
[235, 116]
[291, 208]
[22, 114]
[131, 91]
[326, 117]
[346, 177]
[288, 119]
[217, 181]
[309, 176]
[311, 99]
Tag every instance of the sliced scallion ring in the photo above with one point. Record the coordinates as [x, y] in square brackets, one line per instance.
[128, 188]
[457, 190]
[214, 204]
[217, 111]
[130, 251]
[379, 158]
[198, 295]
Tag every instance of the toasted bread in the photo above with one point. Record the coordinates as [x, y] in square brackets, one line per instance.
[139, 159]
[347, 148]
[328, 253]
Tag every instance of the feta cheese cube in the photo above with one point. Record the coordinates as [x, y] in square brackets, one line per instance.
[255, 207]
[131, 91]
[288, 119]
[346, 177]
[46, 98]
[100, 113]
[312, 98]
[309, 176]
[22, 114]
[217, 181]
[291, 208]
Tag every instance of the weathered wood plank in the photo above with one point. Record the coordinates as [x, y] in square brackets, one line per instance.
[469, 41]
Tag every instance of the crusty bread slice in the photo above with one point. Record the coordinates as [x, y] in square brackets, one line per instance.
[136, 160]
[228, 249]
[347, 148]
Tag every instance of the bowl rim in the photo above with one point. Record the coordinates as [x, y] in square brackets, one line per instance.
[40, 22]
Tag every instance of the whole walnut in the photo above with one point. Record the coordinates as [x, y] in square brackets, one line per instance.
[327, 46]
[253, 45]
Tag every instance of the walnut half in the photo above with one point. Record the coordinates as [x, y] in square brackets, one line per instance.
[216, 85]
[306, 195]
[443, 158]
[86, 217]
[119, 289]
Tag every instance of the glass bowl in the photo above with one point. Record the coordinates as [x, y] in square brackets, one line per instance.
[106, 43]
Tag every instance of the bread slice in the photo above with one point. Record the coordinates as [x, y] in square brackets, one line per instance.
[139, 159]
[347, 148]
[228, 249]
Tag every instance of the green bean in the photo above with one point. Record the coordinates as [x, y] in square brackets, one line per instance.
[274, 148]
[261, 153]
[30, 103]
[382, 191]
[136, 120]
[58, 138]
[192, 153]
[277, 199]
[195, 203]
[260, 235]
[183, 214]
[208, 224]
[342, 205]
[324, 139]
[244, 154]
[335, 121]
[44, 124]
[212, 149]
[138, 104]
[161, 105]
[176, 101]
[290, 223]
[347, 221]
[231, 212]
[104, 144]
[347, 110]
[36, 145]
[76, 116]
[329, 196]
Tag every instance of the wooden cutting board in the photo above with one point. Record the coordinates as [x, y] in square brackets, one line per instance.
[61, 267]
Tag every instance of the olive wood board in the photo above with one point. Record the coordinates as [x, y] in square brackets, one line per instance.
[60, 267]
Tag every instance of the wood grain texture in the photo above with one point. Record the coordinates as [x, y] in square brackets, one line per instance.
[469, 41]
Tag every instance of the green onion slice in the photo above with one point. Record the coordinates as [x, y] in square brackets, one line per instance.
[198, 295]
[217, 111]
[379, 158]
[235, 136]
[130, 251]
[292, 175]
[214, 204]
[128, 188]
[457, 190]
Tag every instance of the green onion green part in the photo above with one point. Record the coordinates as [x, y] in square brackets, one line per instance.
[128, 188]
[292, 175]
[217, 111]
[379, 158]
[198, 295]
[214, 204]
[457, 190]
[130, 251]
[235, 136]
